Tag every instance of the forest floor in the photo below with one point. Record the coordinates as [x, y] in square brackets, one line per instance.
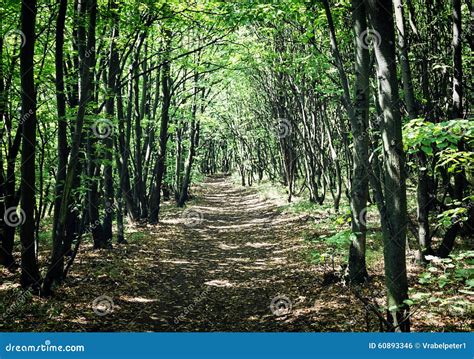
[231, 261]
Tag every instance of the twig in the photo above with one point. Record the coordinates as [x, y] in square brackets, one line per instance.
[369, 306]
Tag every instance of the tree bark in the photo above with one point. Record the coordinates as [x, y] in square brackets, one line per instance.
[404, 62]
[86, 45]
[112, 80]
[360, 155]
[155, 196]
[194, 132]
[55, 271]
[30, 276]
[381, 17]
[449, 238]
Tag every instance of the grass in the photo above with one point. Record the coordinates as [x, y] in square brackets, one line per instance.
[135, 236]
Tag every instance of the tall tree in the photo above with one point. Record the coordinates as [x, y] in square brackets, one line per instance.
[360, 155]
[112, 80]
[155, 196]
[423, 196]
[86, 10]
[193, 138]
[358, 116]
[57, 258]
[394, 213]
[456, 113]
[30, 276]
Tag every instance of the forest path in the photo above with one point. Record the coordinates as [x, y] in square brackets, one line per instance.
[219, 265]
[215, 266]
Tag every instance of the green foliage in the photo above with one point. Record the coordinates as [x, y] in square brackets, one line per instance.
[457, 270]
[441, 140]
[335, 245]
[451, 216]
[453, 276]
[303, 206]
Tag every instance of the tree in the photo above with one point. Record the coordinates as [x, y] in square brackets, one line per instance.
[30, 276]
[55, 272]
[86, 45]
[358, 114]
[394, 208]
[457, 112]
[360, 127]
[160, 162]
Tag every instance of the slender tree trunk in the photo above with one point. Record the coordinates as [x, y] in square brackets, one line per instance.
[424, 239]
[30, 276]
[358, 116]
[55, 271]
[155, 197]
[110, 110]
[86, 45]
[139, 115]
[404, 62]
[360, 155]
[381, 17]
[423, 207]
[6, 243]
[449, 238]
[194, 132]
[458, 89]
[93, 166]
[123, 147]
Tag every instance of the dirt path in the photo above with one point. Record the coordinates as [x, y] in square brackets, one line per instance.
[216, 266]
[222, 263]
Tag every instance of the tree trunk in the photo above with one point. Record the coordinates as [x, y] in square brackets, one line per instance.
[93, 166]
[381, 17]
[194, 132]
[360, 155]
[30, 276]
[123, 149]
[404, 62]
[424, 239]
[85, 43]
[449, 238]
[155, 197]
[7, 184]
[112, 80]
[55, 272]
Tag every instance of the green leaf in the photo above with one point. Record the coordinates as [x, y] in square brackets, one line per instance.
[427, 149]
